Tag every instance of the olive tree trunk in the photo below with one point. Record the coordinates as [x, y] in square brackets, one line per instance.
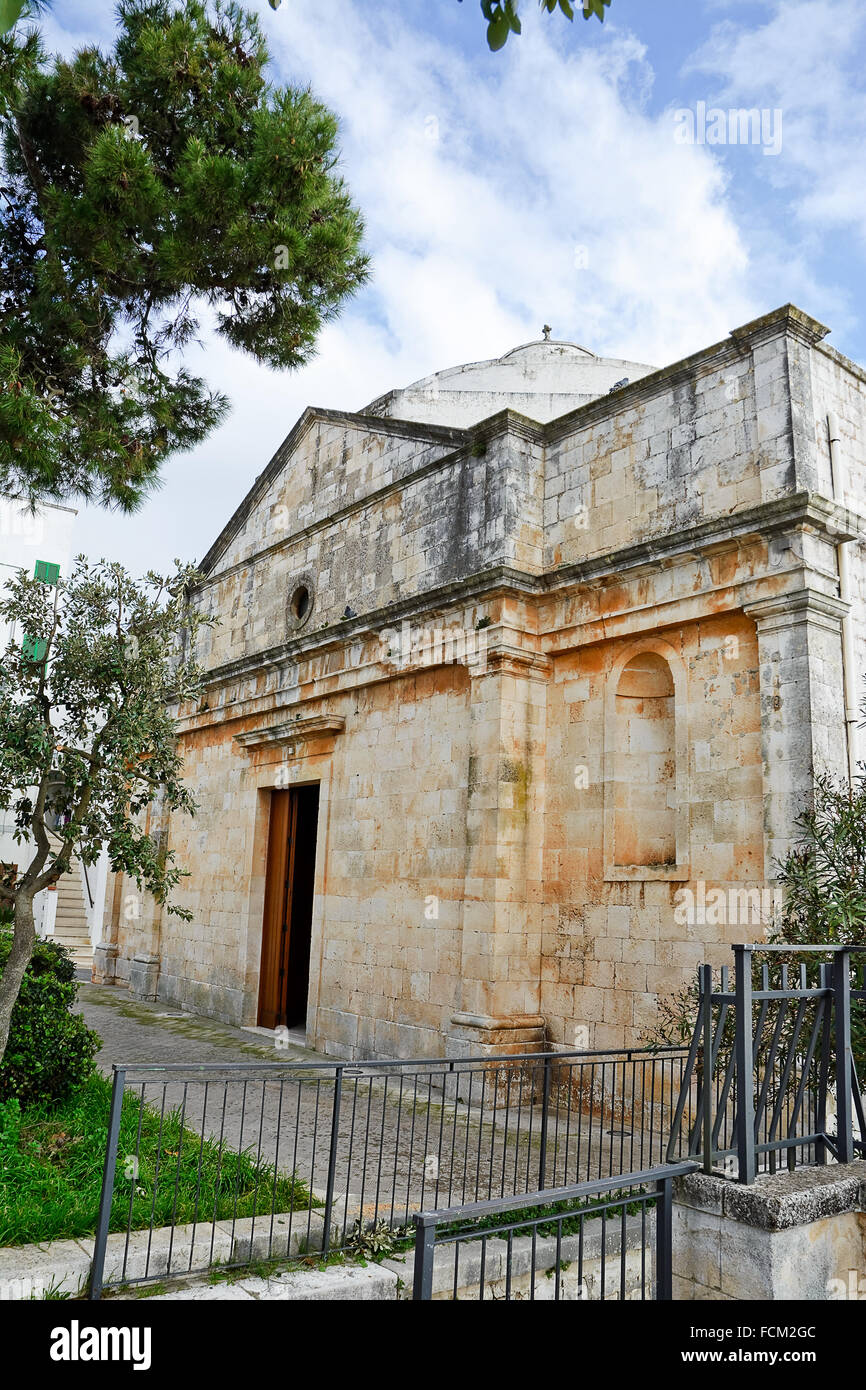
[23, 941]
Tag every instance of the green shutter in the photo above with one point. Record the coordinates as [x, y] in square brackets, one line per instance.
[34, 648]
[47, 571]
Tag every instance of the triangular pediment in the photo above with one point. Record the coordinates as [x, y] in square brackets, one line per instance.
[330, 460]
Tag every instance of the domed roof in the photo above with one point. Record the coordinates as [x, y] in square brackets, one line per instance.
[542, 379]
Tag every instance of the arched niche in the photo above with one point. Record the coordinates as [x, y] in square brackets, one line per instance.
[645, 763]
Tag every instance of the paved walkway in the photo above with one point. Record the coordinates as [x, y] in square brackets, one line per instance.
[133, 1031]
[401, 1143]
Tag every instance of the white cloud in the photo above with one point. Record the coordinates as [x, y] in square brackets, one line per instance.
[476, 235]
[807, 60]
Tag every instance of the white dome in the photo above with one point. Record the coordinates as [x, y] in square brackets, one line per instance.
[542, 380]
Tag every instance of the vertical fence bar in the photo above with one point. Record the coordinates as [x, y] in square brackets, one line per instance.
[545, 1102]
[97, 1269]
[664, 1290]
[332, 1161]
[842, 1011]
[707, 1089]
[745, 1067]
[823, 1083]
[425, 1249]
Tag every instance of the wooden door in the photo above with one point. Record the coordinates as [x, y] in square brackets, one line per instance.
[278, 886]
[288, 913]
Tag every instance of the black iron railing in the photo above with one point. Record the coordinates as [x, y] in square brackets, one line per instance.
[594, 1241]
[330, 1149]
[770, 1072]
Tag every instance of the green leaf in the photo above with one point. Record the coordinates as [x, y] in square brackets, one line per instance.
[10, 13]
[594, 7]
[275, 4]
[566, 9]
[497, 31]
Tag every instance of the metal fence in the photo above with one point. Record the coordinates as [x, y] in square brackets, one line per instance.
[224, 1165]
[589, 1242]
[780, 1083]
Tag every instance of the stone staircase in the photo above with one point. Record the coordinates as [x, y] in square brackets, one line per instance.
[70, 924]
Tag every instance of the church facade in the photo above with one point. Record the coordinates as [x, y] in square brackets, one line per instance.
[520, 680]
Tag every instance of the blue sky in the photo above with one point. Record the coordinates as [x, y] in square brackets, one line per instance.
[546, 183]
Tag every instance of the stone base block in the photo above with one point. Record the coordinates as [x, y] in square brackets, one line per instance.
[144, 977]
[485, 1035]
[104, 968]
[799, 1235]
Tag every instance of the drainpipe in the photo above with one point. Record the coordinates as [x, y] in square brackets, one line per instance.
[843, 554]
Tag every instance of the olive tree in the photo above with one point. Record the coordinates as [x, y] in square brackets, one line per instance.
[89, 675]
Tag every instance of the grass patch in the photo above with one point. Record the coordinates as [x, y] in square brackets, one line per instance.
[51, 1173]
[567, 1217]
[570, 1216]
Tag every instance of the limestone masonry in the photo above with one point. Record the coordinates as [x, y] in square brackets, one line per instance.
[560, 659]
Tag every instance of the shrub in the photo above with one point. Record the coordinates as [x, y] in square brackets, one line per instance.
[824, 876]
[50, 1050]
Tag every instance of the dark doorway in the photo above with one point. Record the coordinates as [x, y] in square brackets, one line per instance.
[288, 917]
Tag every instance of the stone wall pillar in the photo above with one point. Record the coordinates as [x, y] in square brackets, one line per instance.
[145, 964]
[802, 707]
[502, 910]
[104, 968]
[799, 1235]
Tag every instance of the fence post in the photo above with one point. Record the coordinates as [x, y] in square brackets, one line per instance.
[332, 1160]
[842, 1010]
[425, 1249]
[664, 1240]
[707, 1070]
[745, 1067]
[545, 1101]
[824, 1069]
[97, 1268]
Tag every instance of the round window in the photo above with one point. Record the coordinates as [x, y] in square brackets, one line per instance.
[300, 602]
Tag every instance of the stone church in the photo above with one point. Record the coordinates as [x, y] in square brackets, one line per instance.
[519, 682]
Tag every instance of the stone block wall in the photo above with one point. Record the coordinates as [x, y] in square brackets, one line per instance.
[612, 946]
[791, 1236]
[508, 842]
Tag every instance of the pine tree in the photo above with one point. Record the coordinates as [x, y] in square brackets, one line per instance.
[138, 188]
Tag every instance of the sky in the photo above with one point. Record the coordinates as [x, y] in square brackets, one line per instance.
[576, 178]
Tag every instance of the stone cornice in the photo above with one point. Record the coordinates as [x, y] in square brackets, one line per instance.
[487, 584]
[801, 509]
[798, 606]
[292, 731]
[716, 534]
[788, 320]
[508, 660]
